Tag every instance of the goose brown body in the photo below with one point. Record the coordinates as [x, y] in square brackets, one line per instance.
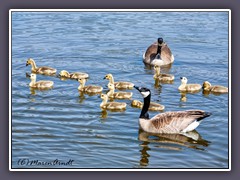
[168, 122]
[165, 55]
[172, 122]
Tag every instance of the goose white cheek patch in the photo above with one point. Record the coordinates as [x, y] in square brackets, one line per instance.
[145, 94]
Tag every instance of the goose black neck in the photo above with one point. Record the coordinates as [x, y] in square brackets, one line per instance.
[144, 113]
[159, 49]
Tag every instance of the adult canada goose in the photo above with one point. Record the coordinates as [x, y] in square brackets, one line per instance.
[119, 85]
[111, 105]
[117, 95]
[158, 53]
[214, 89]
[40, 70]
[39, 84]
[89, 88]
[74, 75]
[168, 122]
[160, 76]
[184, 87]
[152, 106]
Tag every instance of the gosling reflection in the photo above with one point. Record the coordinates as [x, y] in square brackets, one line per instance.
[174, 142]
[183, 97]
[81, 97]
[34, 90]
[206, 93]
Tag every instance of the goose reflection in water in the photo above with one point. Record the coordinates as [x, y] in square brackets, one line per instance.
[174, 142]
[33, 90]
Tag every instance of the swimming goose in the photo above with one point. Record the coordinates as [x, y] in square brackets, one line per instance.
[40, 70]
[162, 77]
[111, 105]
[158, 54]
[89, 88]
[152, 106]
[118, 95]
[39, 84]
[119, 85]
[74, 75]
[184, 87]
[168, 122]
[214, 89]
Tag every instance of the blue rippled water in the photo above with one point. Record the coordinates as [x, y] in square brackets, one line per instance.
[60, 124]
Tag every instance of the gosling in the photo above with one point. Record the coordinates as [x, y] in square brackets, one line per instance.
[40, 70]
[74, 75]
[39, 84]
[118, 95]
[184, 87]
[162, 77]
[89, 88]
[152, 107]
[214, 89]
[119, 85]
[111, 105]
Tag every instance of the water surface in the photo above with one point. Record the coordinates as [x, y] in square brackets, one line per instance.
[61, 124]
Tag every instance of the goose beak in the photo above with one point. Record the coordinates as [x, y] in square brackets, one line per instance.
[181, 77]
[26, 64]
[104, 78]
[28, 75]
[136, 87]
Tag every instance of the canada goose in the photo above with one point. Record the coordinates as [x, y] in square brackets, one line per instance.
[74, 75]
[160, 76]
[152, 106]
[158, 53]
[214, 89]
[89, 88]
[184, 87]
[168, 122]
[39, 84]
[40, 70]
[119, 85]
[118, 95]
[111, 105]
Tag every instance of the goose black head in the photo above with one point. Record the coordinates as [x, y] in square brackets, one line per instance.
[160, 41]
[144, 91]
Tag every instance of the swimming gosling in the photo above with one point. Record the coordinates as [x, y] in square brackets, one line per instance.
[119, 85]
[184, 87]
[89, 88]
[74, 75]
[117, 95]
[111, 105]
[160, 76]
[40, 70]
[39, 84]
[152, 106]
[169, 122]
[214, 89]
[158, 53]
